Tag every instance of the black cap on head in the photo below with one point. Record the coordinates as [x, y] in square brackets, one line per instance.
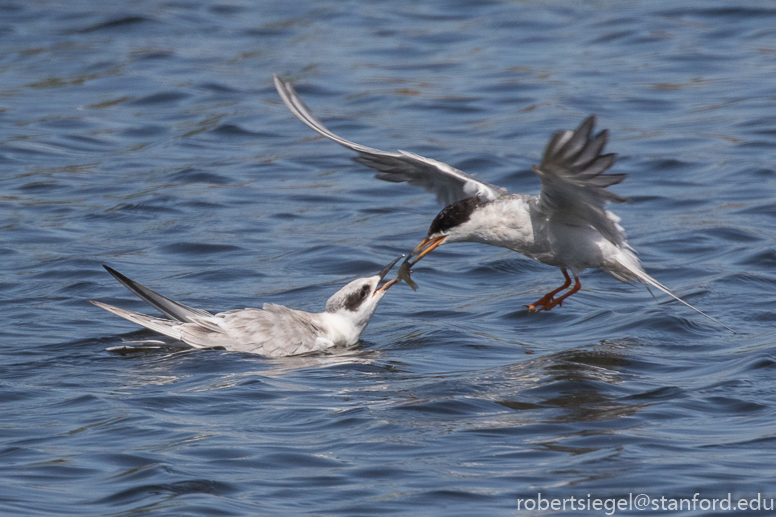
[454, 214]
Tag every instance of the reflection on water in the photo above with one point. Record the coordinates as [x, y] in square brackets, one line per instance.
[580, 382]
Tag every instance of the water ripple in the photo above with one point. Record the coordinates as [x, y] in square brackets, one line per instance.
[152, 139]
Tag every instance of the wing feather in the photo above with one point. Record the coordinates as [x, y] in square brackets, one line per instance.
[447, 183]
[573, 184]
[171, 308]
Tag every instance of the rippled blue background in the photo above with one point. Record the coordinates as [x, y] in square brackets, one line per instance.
[148, 136]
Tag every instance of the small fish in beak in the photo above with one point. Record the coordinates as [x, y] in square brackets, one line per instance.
[425, 247]
[404, 274]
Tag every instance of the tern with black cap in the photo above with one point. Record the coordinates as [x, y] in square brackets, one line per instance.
[566, 226]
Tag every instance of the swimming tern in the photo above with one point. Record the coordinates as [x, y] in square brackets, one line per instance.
[566, 225]
[273, 330]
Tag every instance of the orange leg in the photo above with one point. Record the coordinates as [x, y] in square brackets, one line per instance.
[547, 301]
[559, 301]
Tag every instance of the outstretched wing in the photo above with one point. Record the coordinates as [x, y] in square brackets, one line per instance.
[446, 182]
[573, 184]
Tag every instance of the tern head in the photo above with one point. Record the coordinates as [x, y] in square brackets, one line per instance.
[358, 300]
[448, 226]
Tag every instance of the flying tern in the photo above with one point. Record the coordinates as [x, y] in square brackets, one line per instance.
[273, 330]
[566, 226]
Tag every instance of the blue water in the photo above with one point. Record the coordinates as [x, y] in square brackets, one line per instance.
[148, 136]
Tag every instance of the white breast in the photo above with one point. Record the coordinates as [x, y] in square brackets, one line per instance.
[505, 223]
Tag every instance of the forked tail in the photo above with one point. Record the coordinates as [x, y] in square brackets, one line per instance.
[648, 280]
[167, 327]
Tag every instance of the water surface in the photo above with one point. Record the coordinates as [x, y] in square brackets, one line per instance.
[148, 136]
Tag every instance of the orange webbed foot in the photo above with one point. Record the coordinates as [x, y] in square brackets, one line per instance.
[544, 303]
[548, 301]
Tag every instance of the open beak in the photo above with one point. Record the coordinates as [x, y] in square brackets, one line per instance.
[384, 272]
[425, 247]
[386, 285]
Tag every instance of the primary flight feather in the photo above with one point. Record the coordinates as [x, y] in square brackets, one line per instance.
[566, 226]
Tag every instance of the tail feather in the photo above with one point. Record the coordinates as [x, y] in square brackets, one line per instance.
[169, 328]
[647, 280]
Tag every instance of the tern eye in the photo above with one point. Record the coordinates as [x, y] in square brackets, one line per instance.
[356, 298]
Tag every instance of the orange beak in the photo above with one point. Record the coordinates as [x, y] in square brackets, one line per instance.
[386, 285]
[430, 244]
[425, 247]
